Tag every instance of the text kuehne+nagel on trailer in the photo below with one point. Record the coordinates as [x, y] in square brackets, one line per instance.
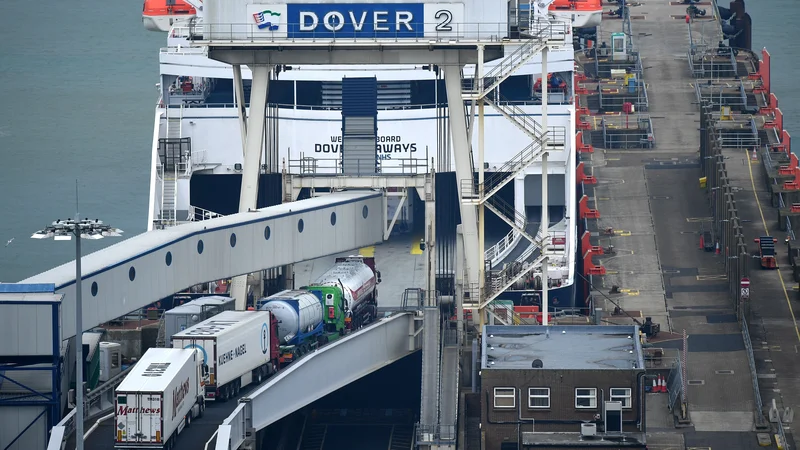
[249, 20]
[237, 347]
[159, 398]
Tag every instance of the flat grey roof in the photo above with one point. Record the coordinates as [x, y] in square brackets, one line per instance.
[567, 347]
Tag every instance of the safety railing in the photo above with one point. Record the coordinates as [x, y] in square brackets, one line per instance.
[748, 344]
[233, 431]
[96, 403]
[445, 32]
[310, 166]
[500, 250]
[434, 434]
[198, 214]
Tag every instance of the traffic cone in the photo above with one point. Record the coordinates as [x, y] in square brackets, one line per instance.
[702, 242]
[661, 387]
[717, 251]
[664, 384]
[754, 157]
[655, 385]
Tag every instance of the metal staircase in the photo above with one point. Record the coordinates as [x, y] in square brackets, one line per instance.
[510, 64]
[484, 89]
[510, 215]
[161, 339]
[169, 172]
[402, 438]
[314, 437]
[539, 35]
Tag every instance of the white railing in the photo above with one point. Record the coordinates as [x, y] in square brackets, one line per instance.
[463, 32]
[96, 403]
[198, 214]
[500, 250]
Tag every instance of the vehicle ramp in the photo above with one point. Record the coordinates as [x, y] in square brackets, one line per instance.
[153, 265]
[342, 362]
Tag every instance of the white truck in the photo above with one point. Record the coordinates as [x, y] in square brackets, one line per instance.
[239, 348]
[159, 398]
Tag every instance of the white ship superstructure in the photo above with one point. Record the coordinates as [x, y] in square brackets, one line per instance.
[198, 157]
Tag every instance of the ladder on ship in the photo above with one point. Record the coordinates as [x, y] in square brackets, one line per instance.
[170, 164]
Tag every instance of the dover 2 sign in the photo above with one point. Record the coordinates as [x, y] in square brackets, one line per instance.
[359, 20]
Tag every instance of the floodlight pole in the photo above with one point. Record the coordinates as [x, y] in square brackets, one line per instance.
[76, 230]
[68, 229]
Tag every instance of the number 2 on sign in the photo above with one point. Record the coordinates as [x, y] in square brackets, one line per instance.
[445, 17]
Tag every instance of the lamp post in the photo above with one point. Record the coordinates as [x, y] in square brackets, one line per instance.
[65, 230]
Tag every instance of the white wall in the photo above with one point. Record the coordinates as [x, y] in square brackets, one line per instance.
[188, 62]
[216, 139]
[469, 17]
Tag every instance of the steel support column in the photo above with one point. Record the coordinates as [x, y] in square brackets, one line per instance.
[241, 106]
[254, 143]
[462, 155]
[545, 226]
[481, 176]
[430, 333]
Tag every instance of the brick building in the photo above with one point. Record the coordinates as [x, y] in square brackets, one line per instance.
[578, 387]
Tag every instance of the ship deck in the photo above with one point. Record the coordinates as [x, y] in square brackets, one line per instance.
[653, 200]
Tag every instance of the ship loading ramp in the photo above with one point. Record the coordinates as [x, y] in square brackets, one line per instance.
[343, 362]
[153, 265]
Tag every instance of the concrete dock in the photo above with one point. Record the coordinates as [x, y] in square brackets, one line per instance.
[654, 202]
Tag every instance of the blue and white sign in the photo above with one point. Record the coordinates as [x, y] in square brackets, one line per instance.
[350, 20]
[356, 20]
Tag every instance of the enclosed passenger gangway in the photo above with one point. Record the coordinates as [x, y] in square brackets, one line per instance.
[343, 362]
[151, 266]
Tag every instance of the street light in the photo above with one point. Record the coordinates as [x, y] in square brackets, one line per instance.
[64, 230]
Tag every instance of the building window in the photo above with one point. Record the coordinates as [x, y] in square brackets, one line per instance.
[505, 397]
[585, 398]
[538, 398]
[621, 395]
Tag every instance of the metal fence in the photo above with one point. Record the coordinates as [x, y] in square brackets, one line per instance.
[753, 373]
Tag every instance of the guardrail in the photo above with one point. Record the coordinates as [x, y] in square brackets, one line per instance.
[96, 403]
[748, 344]
[463, 32]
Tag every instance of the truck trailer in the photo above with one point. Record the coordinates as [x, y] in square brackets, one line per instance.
[239, 347]
[159, 398]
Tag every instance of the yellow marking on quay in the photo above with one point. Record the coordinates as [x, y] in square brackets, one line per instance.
[415, 250]
[603, 198]
[367, 252]
[630, 291]
[622, 233]
[712, 277]
[766, 228]
[698, 219]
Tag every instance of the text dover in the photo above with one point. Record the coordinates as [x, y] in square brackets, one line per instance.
[355, 20]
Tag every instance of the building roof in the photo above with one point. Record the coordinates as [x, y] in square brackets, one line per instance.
[567, 347]
[29, 293]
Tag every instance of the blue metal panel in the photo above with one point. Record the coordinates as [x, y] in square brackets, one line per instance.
[50, 401]
[18, 288]
[355, 20]
[360, 97]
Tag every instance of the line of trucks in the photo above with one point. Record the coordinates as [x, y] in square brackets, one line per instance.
[214, 359]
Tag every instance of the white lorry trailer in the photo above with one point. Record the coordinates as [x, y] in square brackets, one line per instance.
[159, 398]
[239, 347]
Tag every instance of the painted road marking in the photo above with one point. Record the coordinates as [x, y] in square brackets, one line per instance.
[698, 219]
[766, 229]
[712, 277]
[630, 291]
[368, 252]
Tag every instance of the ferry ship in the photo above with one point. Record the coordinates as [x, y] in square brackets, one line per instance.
[197, 147]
